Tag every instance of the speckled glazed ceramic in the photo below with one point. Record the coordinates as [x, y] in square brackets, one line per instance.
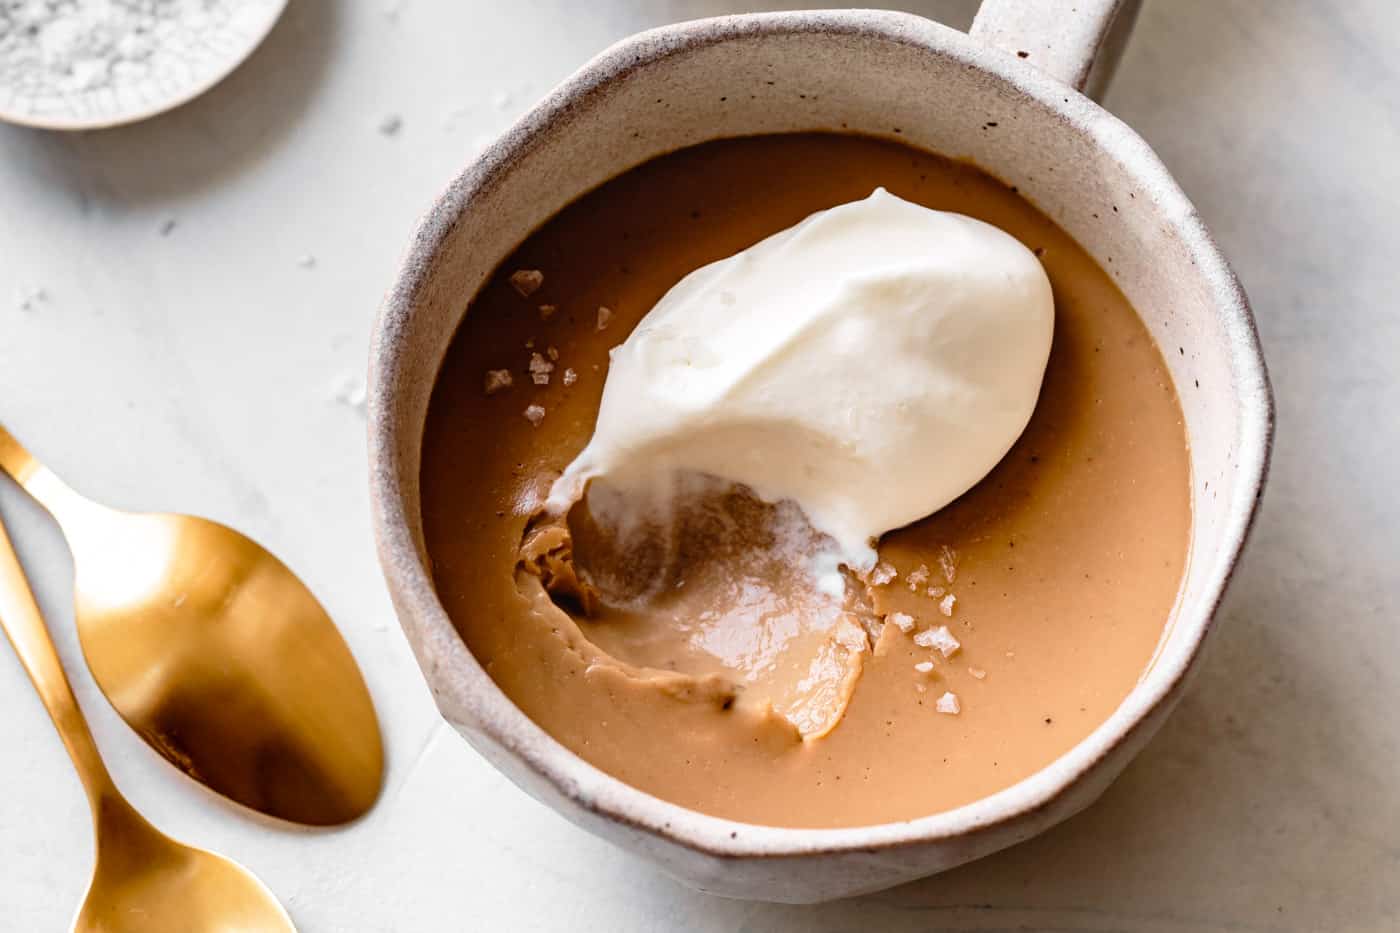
[1004, 98]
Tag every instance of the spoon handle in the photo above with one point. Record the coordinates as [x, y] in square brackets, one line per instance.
[20, 618]
[38, 480]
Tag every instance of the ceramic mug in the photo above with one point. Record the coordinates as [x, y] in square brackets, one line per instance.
[1006, 97]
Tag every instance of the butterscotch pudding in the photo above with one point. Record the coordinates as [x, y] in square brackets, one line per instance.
[701, 618]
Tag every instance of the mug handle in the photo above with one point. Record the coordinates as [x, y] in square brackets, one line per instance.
[1078, 42]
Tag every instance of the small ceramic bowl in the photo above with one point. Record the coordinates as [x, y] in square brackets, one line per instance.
[162, 56]
[1004, 98]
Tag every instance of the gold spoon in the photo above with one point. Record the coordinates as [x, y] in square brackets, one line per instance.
[142, 880]
[212, 650]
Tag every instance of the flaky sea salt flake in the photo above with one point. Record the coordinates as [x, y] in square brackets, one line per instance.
[902, 620]
[351, 393]
[534, 414]
[948, 563]
[498, 379]
[948, 703]
[939, 639]
[946, 605]
[882, 574]
[30, 299]
[977, 672]
[570, 377]
[924, 667]
[526, 281]
[604, 316]
[917, 578]
[540, 368]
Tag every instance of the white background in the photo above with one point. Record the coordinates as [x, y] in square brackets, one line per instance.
[197, 371]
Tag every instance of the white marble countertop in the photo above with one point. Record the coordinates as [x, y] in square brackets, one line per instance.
[208, 280]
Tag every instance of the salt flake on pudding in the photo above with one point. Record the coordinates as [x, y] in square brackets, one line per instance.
[540, 368]
[526, 281]
[498, 379]
[939, 639]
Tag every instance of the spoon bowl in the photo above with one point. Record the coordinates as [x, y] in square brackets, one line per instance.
[213, 650]
[142, 879]
[139, 870]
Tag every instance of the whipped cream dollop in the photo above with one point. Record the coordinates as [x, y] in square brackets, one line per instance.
[870, 364]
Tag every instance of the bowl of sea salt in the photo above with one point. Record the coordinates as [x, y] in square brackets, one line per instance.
[84, 64]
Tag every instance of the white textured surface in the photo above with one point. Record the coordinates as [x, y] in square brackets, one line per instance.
[199, 370]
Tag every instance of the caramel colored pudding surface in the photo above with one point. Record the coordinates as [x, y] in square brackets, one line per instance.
[1062, 565]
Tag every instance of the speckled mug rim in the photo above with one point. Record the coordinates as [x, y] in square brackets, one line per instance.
[592, 789]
